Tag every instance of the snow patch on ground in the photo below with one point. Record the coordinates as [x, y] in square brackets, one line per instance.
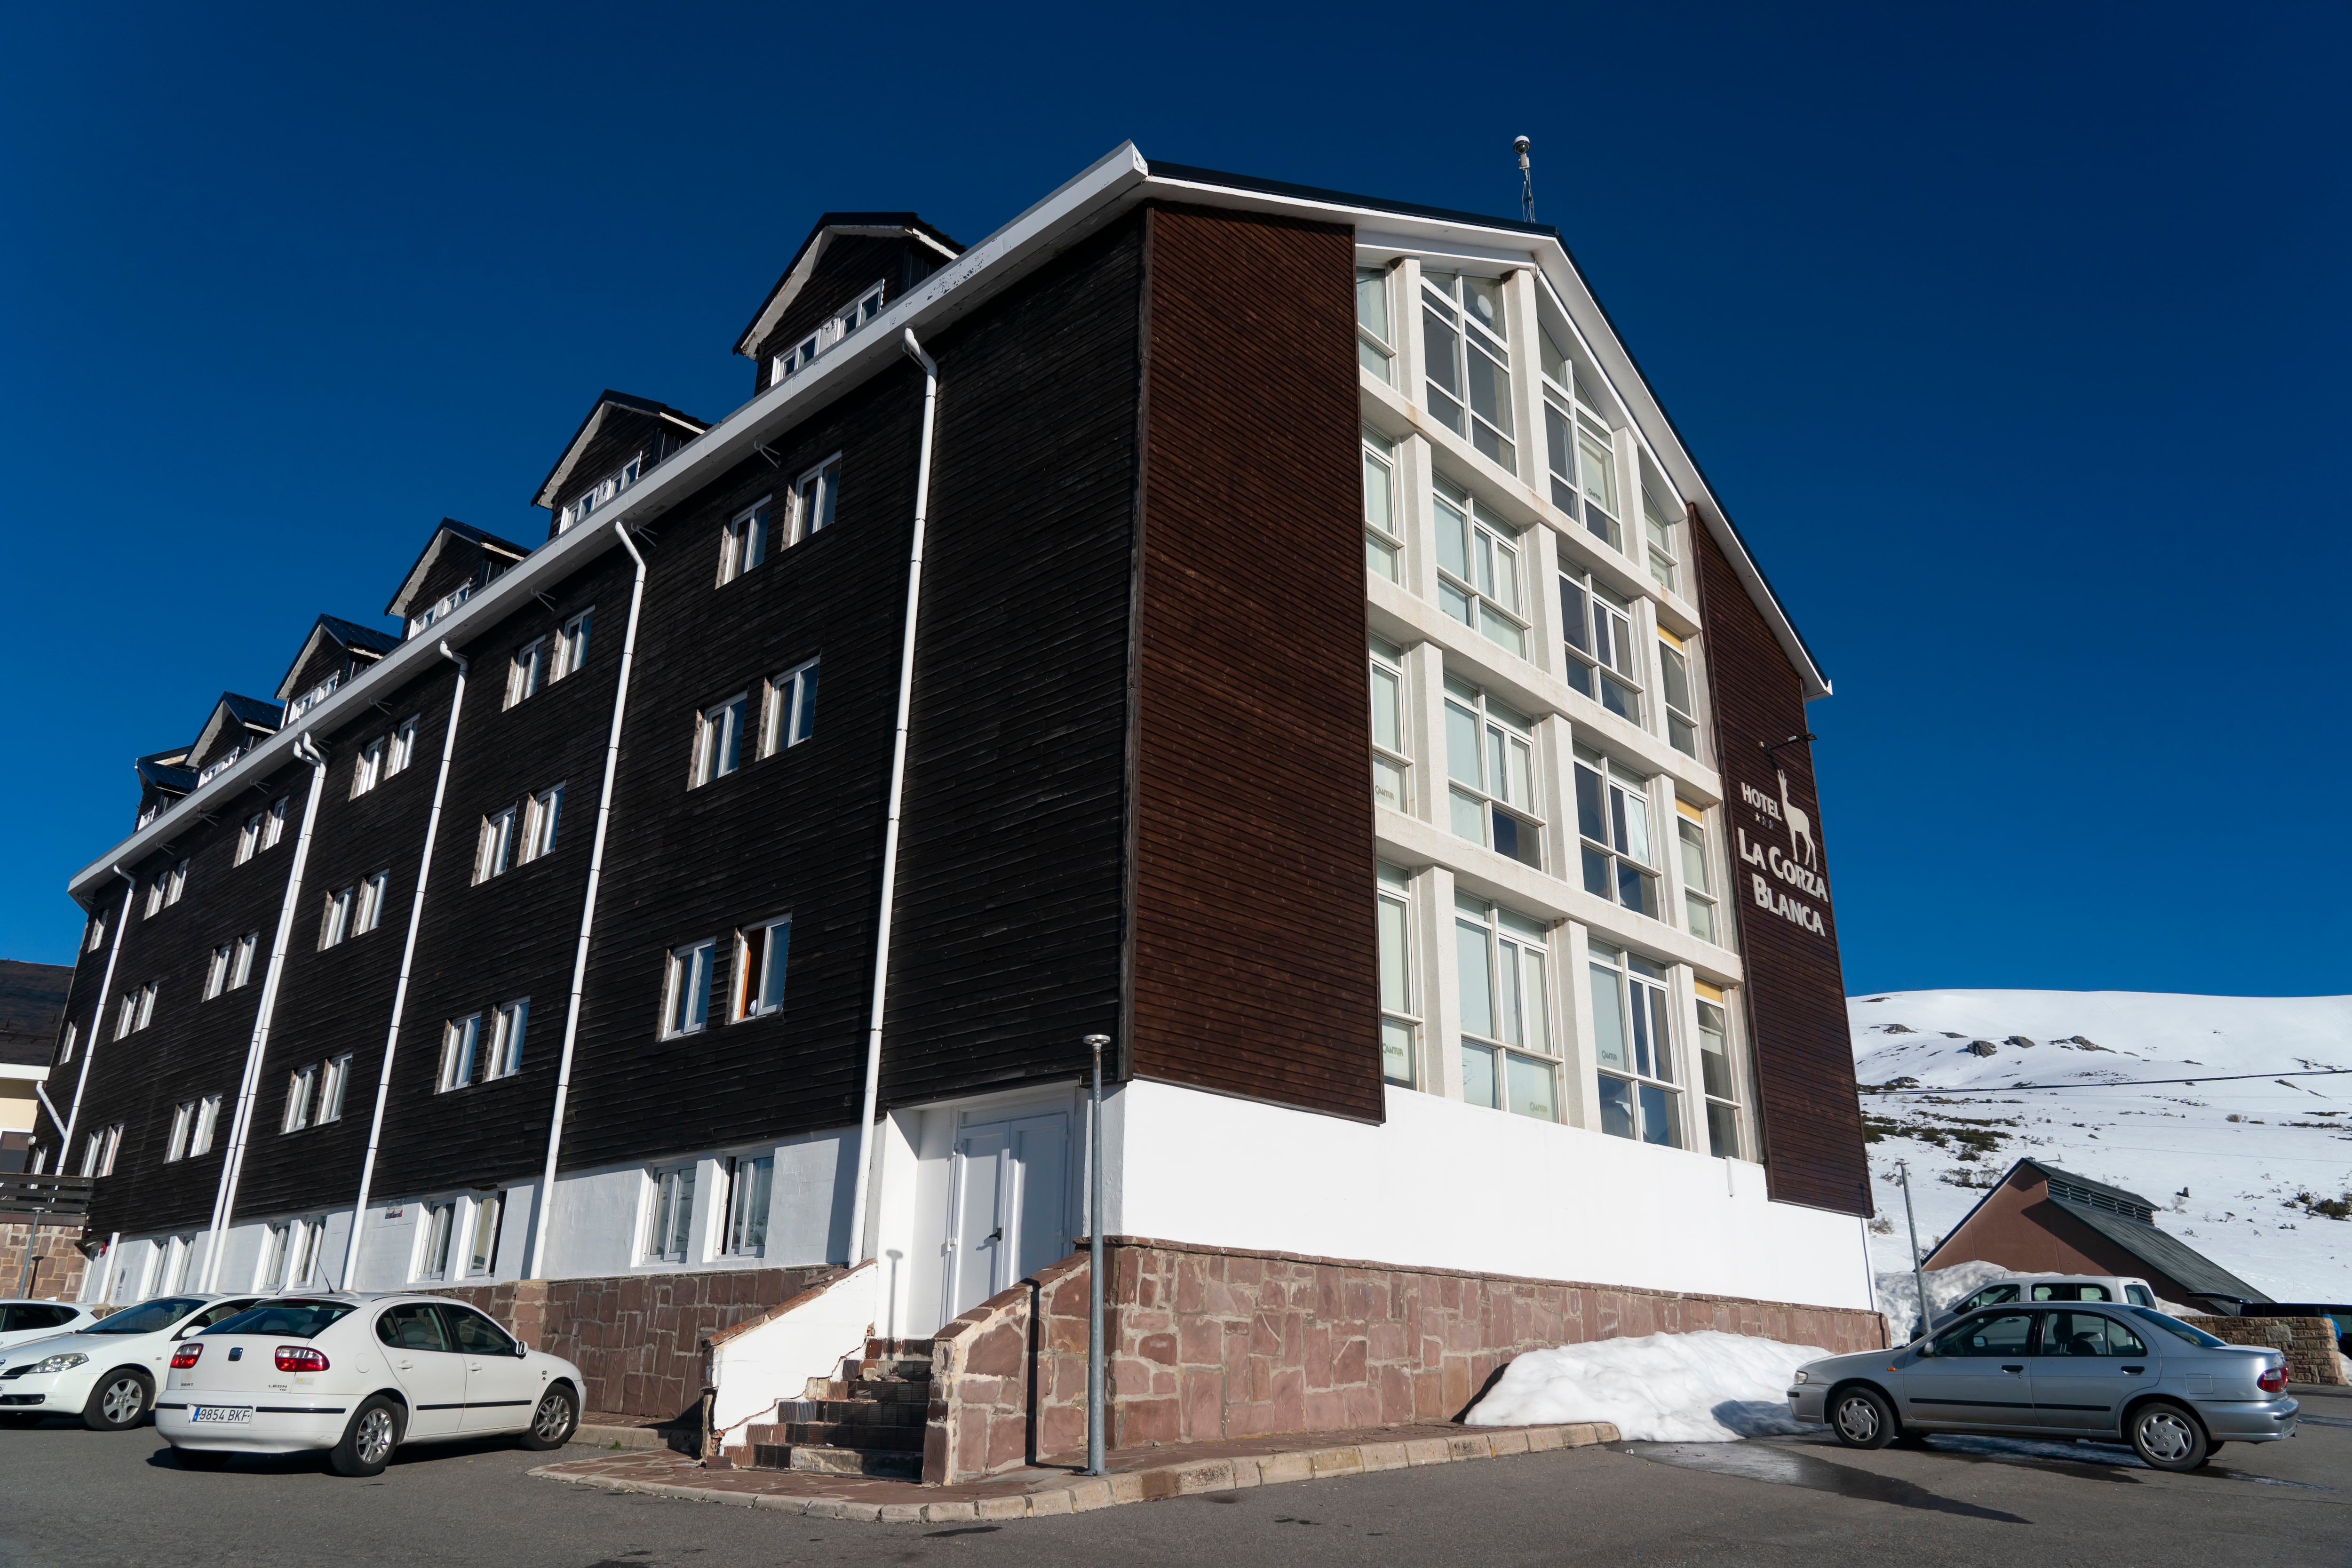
[2227, 1164]
[1898, 1292]
[1703, 1388]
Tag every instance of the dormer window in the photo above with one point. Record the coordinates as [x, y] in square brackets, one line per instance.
[312, 698]
[601, 494]
[214, 769]
[798, 358]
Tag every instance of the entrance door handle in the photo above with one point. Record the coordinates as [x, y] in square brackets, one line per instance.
[996, 1234]
[2012, 1369]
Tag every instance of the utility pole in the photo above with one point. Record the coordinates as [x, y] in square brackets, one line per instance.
[1094, 1272]
[1919, 1274]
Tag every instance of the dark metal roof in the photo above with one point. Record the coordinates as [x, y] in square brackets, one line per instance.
[348, 635]
[32, 1005]
[825, 223]
[163, 771]
[2097, 1194]
[448, 528]
[608, 399]
[2162, 1254]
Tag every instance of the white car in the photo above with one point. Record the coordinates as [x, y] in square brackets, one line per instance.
[21, 1321]
[106, 1373]
[356, 1376]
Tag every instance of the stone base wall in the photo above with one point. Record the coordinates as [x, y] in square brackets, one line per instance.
[638, 1338]
[2309, 1344]
[57, 1263]
[1207, 1343]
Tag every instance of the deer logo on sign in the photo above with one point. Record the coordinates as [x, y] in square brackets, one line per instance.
[1801, 826]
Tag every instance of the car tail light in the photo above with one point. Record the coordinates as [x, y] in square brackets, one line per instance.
[2272, 1380]
[300, 1358]
[186, 1355]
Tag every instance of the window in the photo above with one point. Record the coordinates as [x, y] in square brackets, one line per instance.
[760, 953]
[1478, 566]
[1599, 626]
[1375, 341]
[271, 1274]
[1505, 1010]
[241, 970]
[541, 814]
[460, 1039]
[1633, 1047]
[1389, 763]
[799, 357]
[1578, 448]
[138, 1009]
[571, 645]
[1699, 875]
[336, 923]
[273, 825]
[670, 1224]
[200, 1141]
[508, 1024]
[299, 1084]
[177, 1251]
[527, 670]
[2088, 1334]
[402, 750]
[814, 496]
[1718, 1076]
[601, 493]
[368, 768]
[482, 1252]
[744, 542]
[312, 698]
[1383, 539]
[155, 891]
[1490, 760]
[2009, 1334]
[496, 851]
[1400, 1019]
[718, 738]
[97, 934]
[217, 970]
[1463, 337]
[791, 708]
[71, 1037]
[184, 1117]
[178, 884]
[749, 1180]
[1675, 685]
[333, 1078]
[248, 838]
[370, 914]
[1659, 516]
[686, 999]
[1612, 819]
[219, 764]
[308, 1234]
[98, 1154]
[433, 1229]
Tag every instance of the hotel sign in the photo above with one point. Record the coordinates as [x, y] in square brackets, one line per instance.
[1797, 875]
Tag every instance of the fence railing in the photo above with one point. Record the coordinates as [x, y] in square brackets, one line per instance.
[46, 1197]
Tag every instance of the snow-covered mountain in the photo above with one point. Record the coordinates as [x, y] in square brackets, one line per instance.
[2248, 1169]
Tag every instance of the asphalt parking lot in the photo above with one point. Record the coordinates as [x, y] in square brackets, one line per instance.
[74, 1497]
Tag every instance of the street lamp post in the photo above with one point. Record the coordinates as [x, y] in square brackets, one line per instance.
[1094, 1272]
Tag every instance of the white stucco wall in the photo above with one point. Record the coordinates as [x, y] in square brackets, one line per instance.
[1447, 1185]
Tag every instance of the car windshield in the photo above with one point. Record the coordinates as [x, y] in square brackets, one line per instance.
[148, 1317]
[2179, 1330]
[297, 1320]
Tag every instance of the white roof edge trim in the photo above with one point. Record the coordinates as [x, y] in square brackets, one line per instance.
[993, 264]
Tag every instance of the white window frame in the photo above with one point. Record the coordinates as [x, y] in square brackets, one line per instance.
[1505, 958]
[248, 838]
[718, 738]
[601, 493]
[175, 1146]
[1596, 625]
[71, 1037]
[1643, 1046]
[788, 713]
[494, 852]
[1675, 671]
[1401, 1019]
[437, 1223]
[335, 922]
[334, 1081]
[111, 1145]
[97, 933]
[1482, 568]
[510, 1025]
[1383, 516]
[744, 542]
[834, 330]
[571, 643]
[526, 671]
[372, 891]
[669, 1232]
[541, 815]
[269, 1270]
[273, 823]
[762, 955]
[1726, 1098]
[155, 890]
[815, 502]
[301, 1084]
[483, 1227]
[1376, 323]
[216, 971]
[1392, 727]
[686, 977]
[200, 1141]
[1579, 447]
[303, 1269]
[461, 1040]
[146, 995]
[1503, 785]
[1703, 914]
[1463, 350]
[241, 974]
[750, 1188]
[402, 750]
[179, 884]
[1615, 826]
[367, 768]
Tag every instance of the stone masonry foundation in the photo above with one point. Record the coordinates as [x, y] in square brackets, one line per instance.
[57, 1262]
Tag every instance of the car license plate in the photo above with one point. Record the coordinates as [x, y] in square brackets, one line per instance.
[229, 1413]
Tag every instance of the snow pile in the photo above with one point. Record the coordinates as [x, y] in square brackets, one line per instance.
[1898, 1291]
[2245, 1169]
[1703, 1388]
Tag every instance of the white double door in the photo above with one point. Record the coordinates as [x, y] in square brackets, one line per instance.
[1008, 1205]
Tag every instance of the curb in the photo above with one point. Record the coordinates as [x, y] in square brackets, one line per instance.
[1184, 1479]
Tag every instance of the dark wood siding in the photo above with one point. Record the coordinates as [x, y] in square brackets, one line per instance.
[1795, 990]
[1256, 954]
[852, 264]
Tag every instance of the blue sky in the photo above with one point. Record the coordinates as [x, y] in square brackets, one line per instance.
[2011, 336]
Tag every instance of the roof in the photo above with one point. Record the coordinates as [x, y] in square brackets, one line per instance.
[558, 476]
[352, 635]
[164, 770]
[232, 708]
[831, 227]
[32, 1005]
[2094, 1194]
[2126, 1219]
[447, 530]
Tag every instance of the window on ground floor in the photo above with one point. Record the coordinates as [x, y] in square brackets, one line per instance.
[1632, 1043]
[670, 1214]
[1400, 1017]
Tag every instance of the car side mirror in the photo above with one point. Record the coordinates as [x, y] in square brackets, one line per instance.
[521, 1350]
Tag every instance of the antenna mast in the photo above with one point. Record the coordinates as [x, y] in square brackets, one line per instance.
[1527, 180]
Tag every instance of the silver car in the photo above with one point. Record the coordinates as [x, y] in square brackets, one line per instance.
[2077, 1370]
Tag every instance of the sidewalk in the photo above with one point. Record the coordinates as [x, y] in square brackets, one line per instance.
[1137, 1475]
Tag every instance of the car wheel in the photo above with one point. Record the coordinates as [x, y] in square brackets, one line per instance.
[1862, 1418]
[119, 1402]
[552, 1424]
[2167, 1438]
[199, 1458]
[369, 1440]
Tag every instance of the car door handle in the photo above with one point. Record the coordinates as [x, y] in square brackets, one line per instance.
[408, 1366]
[2135, 1369]
[2012, 1369]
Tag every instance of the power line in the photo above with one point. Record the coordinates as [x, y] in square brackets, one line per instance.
[2122, 1083]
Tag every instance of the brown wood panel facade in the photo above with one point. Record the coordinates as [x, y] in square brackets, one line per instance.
[1255, 951]
[1795, 990]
